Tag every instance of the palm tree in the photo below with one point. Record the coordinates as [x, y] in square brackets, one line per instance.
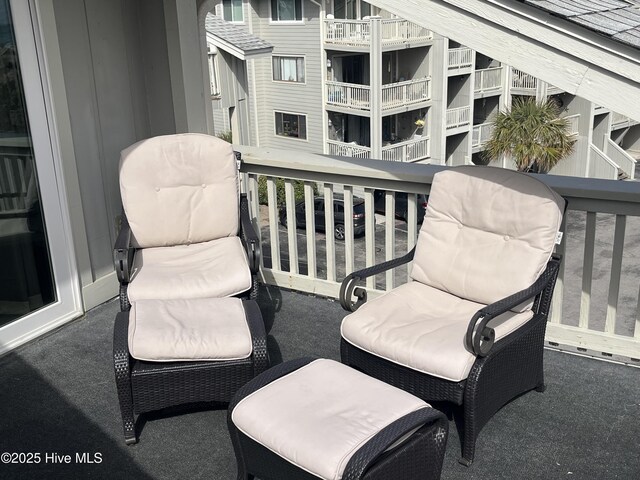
[533, 134]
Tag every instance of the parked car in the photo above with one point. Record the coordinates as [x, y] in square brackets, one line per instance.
[338, 215]
[402, 209]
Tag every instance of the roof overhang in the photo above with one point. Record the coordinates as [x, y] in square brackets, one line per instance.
[236, 51]
[555, 50]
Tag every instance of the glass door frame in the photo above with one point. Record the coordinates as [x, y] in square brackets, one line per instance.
[48, 163]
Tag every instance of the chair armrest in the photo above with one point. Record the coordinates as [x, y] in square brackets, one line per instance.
[371, 451]
[249, 236]
[480, 338]
[348, 287]
[123, 253]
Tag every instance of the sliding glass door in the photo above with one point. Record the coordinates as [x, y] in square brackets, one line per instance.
[37, 279]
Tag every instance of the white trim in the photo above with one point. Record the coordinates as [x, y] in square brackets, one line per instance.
[235, 22]
[103, 289]
[287, 22]
[49, 167]
[290, 82]
[275, 129]
[235, 51]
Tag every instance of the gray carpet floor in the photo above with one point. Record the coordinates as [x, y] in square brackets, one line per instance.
[58, 397]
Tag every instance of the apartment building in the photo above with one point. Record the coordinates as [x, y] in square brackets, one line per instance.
[343, 77]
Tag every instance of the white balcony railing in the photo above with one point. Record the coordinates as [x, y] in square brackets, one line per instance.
[357, 33]
[458, 117]
[398, 30]
[343, 149]
[349, 95]
[574, 122]
[488, 79]
[522, 81]
[460, 58]
[356, 96]
[601, 166]
[406, 93]
[586, 314]
[407, 151]
[481, 134]
[622, 159]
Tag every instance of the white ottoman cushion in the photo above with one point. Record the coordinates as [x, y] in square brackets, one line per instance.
[183, 330]
[320, 415]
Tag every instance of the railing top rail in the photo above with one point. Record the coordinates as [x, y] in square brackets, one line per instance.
[414, 177]
[459, 49]
[346, 20]
[490, 69]
[344, 84]
[457, 109]
[406, 82]
[411, 141]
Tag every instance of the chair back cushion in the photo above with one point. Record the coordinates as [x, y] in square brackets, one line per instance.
[179, 189]
[487, 233]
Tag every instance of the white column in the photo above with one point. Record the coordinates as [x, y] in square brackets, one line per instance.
[186, 65]
[375, 82]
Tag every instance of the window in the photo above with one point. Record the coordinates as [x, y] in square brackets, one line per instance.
[232, 10]
[286, 10]
[288, 69]
[213, 72]
[291, 125]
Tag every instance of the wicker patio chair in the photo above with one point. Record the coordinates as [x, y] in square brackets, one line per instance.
[468, 328]
[186, 230]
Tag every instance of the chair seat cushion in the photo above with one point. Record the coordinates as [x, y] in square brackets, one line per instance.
[422, 328]
[184, 330]
[214, 269]
[318, 416]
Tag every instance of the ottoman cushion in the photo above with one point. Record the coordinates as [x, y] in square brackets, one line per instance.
[184, 330]
[318, 416]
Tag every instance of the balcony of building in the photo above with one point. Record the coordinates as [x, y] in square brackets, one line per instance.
[488, 82]
[459, 61]
[396, 97]
[480, 135]
[619, 121]
[458, 119]
[357, 35]
[522, 83]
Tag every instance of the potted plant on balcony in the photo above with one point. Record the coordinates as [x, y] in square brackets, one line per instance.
[419, 123]
[532, 134]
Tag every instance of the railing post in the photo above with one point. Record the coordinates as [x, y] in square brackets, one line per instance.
[375, 90]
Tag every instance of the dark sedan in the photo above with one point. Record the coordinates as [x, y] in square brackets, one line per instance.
[338, 215]
[402, 207]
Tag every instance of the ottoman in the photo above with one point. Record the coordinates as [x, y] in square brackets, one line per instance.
[174, 352]
[317, 418]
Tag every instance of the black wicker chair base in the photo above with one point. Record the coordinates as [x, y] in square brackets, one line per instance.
[513, 367]
[420, 457]
[146, 386]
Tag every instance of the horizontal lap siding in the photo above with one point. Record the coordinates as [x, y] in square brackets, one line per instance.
[290, 40]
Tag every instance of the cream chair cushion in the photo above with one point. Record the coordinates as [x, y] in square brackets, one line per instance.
[318, 416]
[422, 328]
[218, 268]
[487, 233]
[179, 189]
[183, 330]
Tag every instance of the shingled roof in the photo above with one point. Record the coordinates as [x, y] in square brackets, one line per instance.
[617, 19]
[235, 38]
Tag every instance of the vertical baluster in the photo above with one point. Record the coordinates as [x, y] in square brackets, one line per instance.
[412, 224]
[616, 272]
[274, 234]
[587, 269]
[558, 293]
[637, 330]
[329, 224]
[290, 202]
[370, 234]
[348, 229]
[389, 235]
[310, 220]
[254, 209]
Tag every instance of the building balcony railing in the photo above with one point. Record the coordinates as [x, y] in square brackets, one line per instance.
[481, 134]
[574, 122]
[458, 117]
[394, 95]
[460, 58]
[488, 79]
[344, 149]
[621, 121]
[411, 150]
[357, 33]
[625, 162]
[522, 82]
[586, 314]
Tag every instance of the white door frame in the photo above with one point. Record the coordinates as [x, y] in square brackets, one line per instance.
[68, 304]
